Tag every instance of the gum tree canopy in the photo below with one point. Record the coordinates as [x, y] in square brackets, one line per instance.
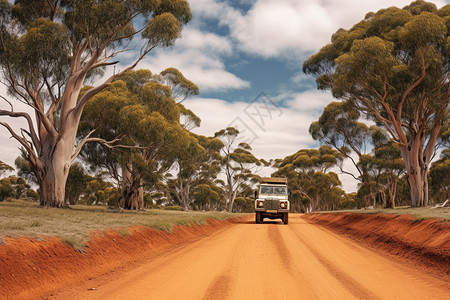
[49, 48]
[394, 67]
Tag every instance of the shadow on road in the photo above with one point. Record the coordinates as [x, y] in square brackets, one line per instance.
[265, 222]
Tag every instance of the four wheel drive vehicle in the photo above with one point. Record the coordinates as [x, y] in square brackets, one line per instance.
[271, 200]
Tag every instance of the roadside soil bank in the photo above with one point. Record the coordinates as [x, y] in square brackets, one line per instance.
[31, 268]
[423, 243]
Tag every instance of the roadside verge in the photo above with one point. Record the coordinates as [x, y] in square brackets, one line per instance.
[31, 267]
[425, 243]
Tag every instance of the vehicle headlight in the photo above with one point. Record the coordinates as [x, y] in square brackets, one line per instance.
[283, 205]
[260, 203]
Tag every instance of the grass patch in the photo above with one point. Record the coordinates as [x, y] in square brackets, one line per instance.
[26, 218]
[36, 224]
[419, 213]
[124, 232]
[76, 244]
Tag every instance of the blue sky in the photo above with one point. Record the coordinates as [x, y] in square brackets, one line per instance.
[238, 50]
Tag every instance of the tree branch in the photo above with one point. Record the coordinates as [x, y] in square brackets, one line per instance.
[411, 87]
[21, 140]
[27, 117]
[89, 139]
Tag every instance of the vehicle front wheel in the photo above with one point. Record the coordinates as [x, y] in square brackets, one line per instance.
[285, 218]
[258, 217]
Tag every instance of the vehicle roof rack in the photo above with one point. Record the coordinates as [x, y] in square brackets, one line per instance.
[274, 180]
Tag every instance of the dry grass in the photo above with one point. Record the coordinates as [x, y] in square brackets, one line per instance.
[419, 213]
[72, 225]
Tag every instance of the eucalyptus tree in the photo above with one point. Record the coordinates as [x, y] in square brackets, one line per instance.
[239, 166]
[312, 184]
[198, 164]
[146, 117]
[384, 170]
[48, 49]
[100, 192]
[8, 187]
[339, 127]
[389, 161]
[207, 196]
[76, 184]
[25, 169]
[394, 67]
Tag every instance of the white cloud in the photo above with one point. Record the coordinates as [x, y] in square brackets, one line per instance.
[272, 28]
[200, 57]
[310, 100]
[208, 42]
[303, 81]
[209, 8]
[289, 28]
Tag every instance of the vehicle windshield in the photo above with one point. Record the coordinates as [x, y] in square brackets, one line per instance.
[273, 190]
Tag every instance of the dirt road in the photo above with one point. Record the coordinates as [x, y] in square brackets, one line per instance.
[267, 261]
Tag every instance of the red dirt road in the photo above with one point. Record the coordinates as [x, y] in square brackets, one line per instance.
[266, 261]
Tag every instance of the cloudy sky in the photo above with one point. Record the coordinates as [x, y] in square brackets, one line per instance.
[246, 58]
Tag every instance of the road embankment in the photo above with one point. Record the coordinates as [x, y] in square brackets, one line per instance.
[31, 267]
[423, 242]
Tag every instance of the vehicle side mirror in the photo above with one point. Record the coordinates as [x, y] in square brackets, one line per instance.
[256, 194]
[290, 194]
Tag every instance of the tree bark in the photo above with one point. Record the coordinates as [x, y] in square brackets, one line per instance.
[52, 176]
[183, 194]
[414, 174]
[132, 191]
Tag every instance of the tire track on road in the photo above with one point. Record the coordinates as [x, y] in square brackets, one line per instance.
[348, 282]
[284, 254]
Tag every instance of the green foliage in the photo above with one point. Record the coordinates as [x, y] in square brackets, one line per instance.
[6, 189]
[100, 192]
[141, 108]
[196, 165]
[15, 187]
[383, 171]
[25, 169]
[162, 30]
[312, 185]
[181, 87]
[148, 200]
[5, 168]
[440, 179]
[76, 184]
[207, 196]
[349, 201]
[244, 204]
[32, 194]
[239, 166]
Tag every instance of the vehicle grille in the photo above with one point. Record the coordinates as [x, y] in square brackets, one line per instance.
[271, 203]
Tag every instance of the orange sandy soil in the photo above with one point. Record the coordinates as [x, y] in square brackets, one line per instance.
[423, 243]
[30, 268]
